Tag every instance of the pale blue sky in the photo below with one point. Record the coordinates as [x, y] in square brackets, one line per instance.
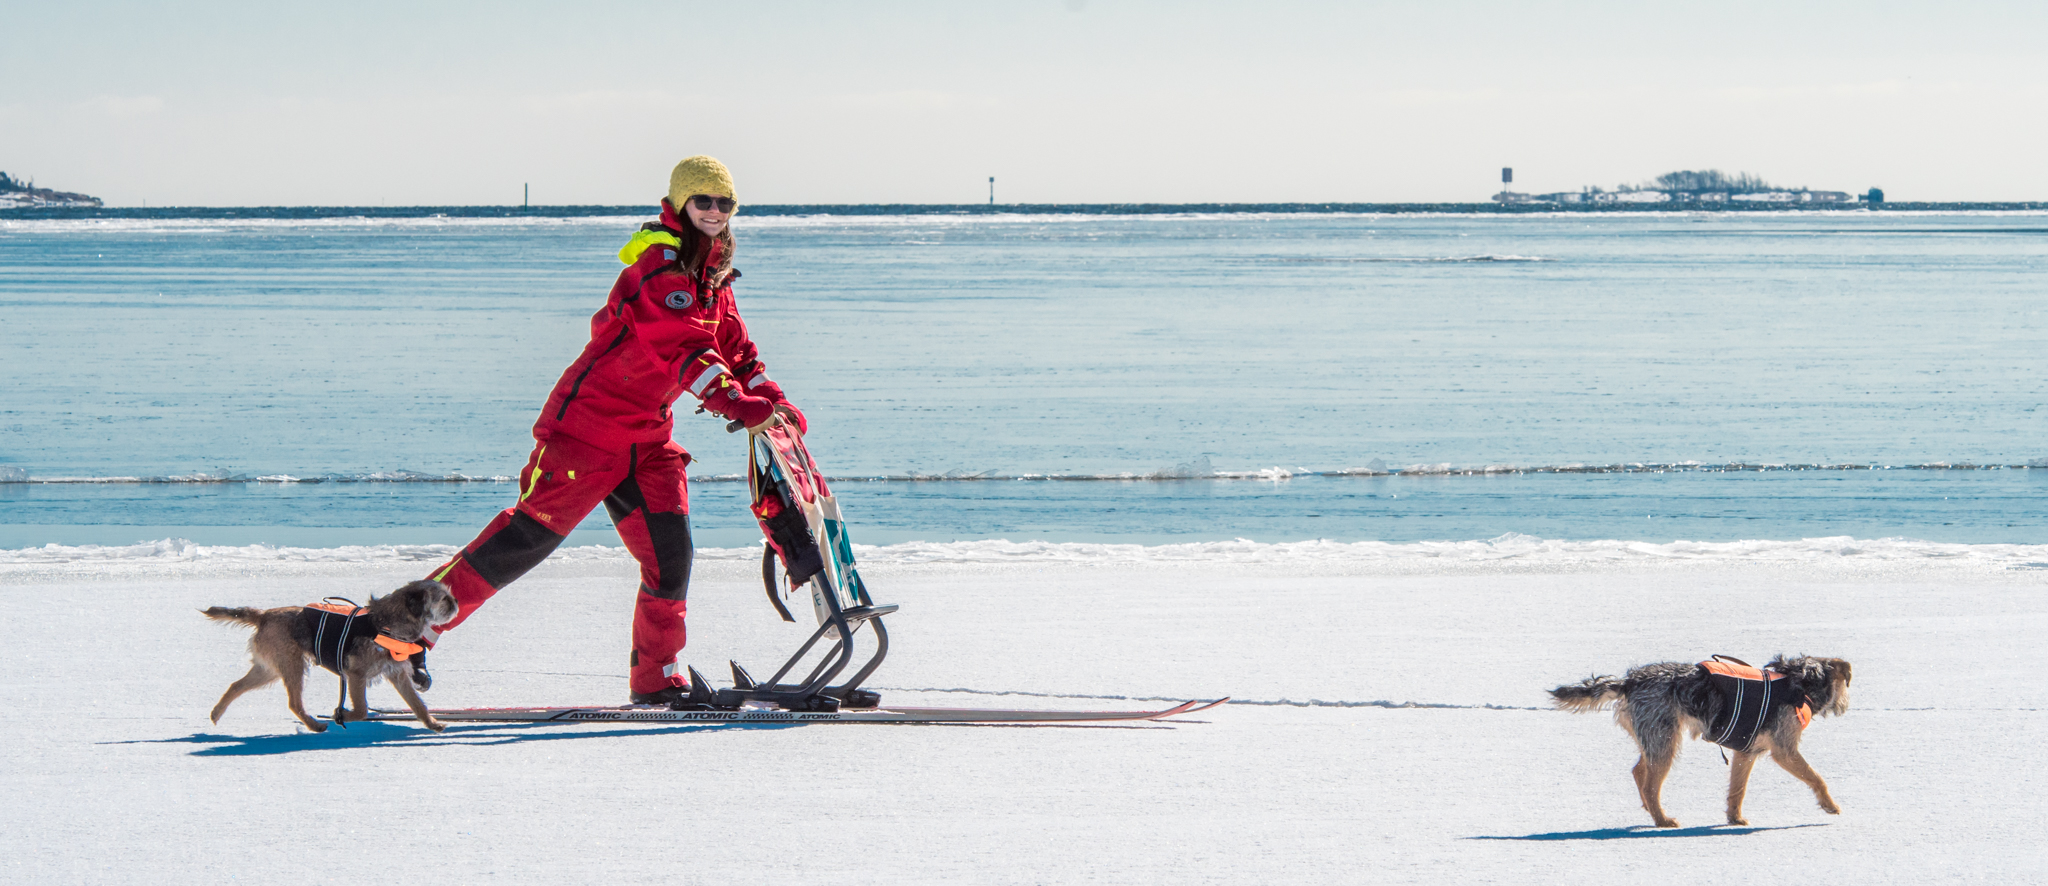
[1062, 101]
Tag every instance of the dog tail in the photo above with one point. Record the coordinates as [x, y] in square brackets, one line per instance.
[1588, 695]
[247, 615]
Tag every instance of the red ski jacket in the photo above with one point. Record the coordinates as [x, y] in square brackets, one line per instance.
[661, 333]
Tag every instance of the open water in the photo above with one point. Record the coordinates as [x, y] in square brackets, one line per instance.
[1142, 378]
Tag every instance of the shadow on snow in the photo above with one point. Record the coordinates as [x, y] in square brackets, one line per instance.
[381, 734]
[1642, 831]
[376, 733]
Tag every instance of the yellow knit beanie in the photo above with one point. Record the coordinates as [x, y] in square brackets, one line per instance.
[699, 175]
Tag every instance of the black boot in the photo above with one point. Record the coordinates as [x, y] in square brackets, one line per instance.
[421, 680]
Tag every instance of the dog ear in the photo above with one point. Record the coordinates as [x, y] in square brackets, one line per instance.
[416, 603]
[1804, 670]
[1812, 670]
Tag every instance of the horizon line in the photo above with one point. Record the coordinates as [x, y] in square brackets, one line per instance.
[1110, 208]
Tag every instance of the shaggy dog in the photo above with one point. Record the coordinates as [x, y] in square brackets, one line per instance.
[1655, 701]
[284, 646]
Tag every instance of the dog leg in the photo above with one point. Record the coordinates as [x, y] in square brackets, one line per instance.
[1738, 784]
[354, 704]
[1659, 744]
[402, 681]
[293, 673]
[258, 677]
[1653, 789]
[1792, 762]
[340, 704]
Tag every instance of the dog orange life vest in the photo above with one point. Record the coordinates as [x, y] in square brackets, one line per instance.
[1748, 695]
[335, 622]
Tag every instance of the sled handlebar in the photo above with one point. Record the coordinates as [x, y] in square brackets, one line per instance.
[735, 426]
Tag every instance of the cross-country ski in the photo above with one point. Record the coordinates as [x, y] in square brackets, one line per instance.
[651, 714]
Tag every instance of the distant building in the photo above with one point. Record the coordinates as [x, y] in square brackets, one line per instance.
[1799, 196]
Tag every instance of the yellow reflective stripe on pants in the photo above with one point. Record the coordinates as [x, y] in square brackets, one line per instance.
[534, 479]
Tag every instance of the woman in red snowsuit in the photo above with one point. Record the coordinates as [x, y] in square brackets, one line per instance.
[670, 327]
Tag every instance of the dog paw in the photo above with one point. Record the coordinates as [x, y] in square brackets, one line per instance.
[317, 726]
[1736, 819]
[435, 725]
[1831, 809]
[1667, 822]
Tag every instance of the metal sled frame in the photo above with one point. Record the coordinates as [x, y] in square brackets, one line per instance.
[832, 589]
[814, 692]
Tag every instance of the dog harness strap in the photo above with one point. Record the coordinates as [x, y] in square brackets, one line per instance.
[332, 658]
[336, 605]
[341, 648]
[1763, 704]
[1735, 715]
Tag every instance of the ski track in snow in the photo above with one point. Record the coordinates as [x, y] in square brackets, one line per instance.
[1278, 702]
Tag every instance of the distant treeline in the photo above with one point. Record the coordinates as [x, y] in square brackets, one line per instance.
[1709, 180]
[11, 185]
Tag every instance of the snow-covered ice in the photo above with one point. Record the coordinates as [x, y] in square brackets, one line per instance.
[1391, 724]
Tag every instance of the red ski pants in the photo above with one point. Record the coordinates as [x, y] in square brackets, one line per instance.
[644, 489]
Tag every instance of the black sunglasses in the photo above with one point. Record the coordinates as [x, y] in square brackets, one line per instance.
[704, 202]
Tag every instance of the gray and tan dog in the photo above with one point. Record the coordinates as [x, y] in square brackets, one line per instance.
[1654, 703]
[289, 639]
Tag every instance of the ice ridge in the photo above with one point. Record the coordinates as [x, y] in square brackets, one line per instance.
[1512, 547]
[1198, 469]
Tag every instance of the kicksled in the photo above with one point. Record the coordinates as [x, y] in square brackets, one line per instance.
[807, 538]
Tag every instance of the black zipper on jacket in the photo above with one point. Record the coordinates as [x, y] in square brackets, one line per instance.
[578, 386]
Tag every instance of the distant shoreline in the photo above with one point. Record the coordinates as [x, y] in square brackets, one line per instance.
[874, 209]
